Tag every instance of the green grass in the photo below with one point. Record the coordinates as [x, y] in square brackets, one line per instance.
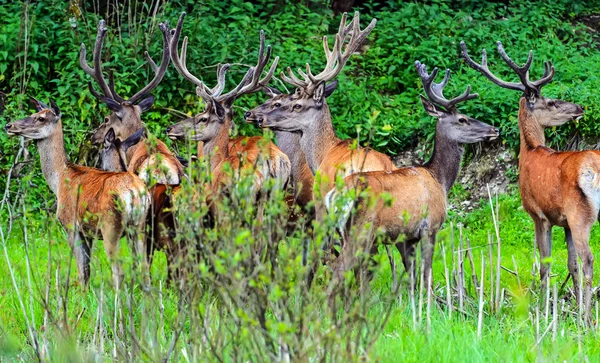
[508, 334]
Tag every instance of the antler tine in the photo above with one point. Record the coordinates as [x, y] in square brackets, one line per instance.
[336, 58]
[96, 71]
[547, 77]
[221, 71]
[160, 72]
[252, 81]
[522, 72]
[292, 79]
[179, 61]
[150, 61]
[435, 91]
[111, 86]
[483, 69]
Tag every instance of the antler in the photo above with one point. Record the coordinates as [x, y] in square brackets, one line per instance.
[250, 83]
[435, 91]
[108, 90]
[525, 85]
[96, 72]
[159, 72]
[336, 59]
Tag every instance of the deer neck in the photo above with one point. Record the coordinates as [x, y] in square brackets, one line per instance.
[318, 139]
[289, 143]
[444, 163]
[217, 148]
[53, 158]
[532, 133]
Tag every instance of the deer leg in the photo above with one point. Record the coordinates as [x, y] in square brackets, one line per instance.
[572, 264]
[407, 252]
[543, 239]
[581, 235]
[81, 249]
[111, 234]
[427, 248]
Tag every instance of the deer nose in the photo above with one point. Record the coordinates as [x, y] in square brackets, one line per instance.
[8, 126]
[247, 114]
[495, 130]
[169, 129]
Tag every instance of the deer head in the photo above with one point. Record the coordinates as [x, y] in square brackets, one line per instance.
[307, 105]
[39, 125]
[125, 117]
[452, 124]
[545, 111]
[219, 107]
[113, 154]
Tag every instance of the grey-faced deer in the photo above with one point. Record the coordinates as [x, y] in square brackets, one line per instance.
[212, 126]
[557, 188]
[302, 177]
[161, 222]
[419, 193]
[156, 164]
[90, 202]
[306, 112]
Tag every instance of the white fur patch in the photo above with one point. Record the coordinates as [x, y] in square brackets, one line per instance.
[589, 182]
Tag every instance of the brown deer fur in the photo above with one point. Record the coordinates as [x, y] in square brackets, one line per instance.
[90, 202]
[557, 188]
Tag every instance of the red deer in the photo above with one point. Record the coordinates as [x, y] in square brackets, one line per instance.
[557, 188]
[419, 193]
[160, 221]
[211, 127]
[306, 112]
[155, 164]
[302, 177]
[91, 202]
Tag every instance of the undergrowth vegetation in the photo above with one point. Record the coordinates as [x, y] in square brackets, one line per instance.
[242, 299]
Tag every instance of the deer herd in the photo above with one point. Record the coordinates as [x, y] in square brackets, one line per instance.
[139, 179]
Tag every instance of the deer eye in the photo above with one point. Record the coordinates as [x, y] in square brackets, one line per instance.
[277, 105]
[463, 120]
[106, 120]
[203, 119]
[297, 106]
[551, 103]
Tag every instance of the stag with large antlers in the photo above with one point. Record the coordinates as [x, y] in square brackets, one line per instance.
[155, 163]
[419, 194]
[557, 188]
[212, 126]
[91, 203]
[306, 112]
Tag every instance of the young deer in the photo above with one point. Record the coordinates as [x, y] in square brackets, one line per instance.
[557, 188]
[160, 221]
[154, 164]
[211, 127]
[419, 194]
[89, 200]
[306, 112]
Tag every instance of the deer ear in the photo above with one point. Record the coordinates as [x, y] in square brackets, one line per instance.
[146, 103]
[429, 107]
[109, 138]
[55, 109]
[319, 94]
[271, 92]
[38, 105]
[133, 139]
[329, 88]
[219, 110]
[113, 105]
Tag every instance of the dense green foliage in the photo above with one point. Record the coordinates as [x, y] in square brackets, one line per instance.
[39, 57]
